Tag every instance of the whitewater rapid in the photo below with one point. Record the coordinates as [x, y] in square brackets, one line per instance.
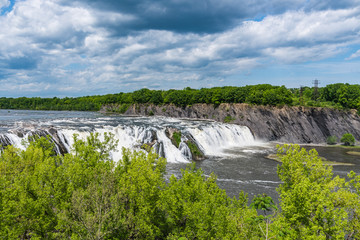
[211, 138]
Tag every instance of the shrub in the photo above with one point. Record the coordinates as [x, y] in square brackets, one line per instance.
[177, 138]
[228, 119]
[348, 139]
[195, 151]
[331, 140]
[123, 108]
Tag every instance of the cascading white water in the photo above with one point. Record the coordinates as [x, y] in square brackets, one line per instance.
[15, 140]
[185, 150]
[212, 138]
[215, 138]
[134, 137]
[20, 141]
[172, 153]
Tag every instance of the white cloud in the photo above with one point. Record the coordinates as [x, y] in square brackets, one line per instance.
[300, 36]
[4, 3]
[55, 36]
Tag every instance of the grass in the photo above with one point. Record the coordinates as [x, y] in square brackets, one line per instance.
[343, 146]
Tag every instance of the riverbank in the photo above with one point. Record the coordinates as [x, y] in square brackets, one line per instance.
[284, 124]
[277, 158]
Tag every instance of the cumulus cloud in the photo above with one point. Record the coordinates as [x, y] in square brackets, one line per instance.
[96, 47]
[4, 3]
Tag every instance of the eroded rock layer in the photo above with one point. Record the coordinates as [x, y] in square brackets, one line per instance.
[285, 124]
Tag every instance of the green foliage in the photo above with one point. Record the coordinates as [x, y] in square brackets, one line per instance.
[197, 208]
[257, 94]
[263, 202]
[331, 140]
[177, 138]
[228, 119]
[123, 108]
[315, 204]
[348, 139]
[195, 151]
[343, 96]
[87, 195]
[146, 147]
[26, 202]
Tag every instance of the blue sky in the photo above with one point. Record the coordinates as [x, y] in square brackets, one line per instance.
[88, 47]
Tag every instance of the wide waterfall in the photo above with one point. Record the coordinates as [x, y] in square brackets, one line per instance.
[210, 138]
[216, 137]
[230, 151]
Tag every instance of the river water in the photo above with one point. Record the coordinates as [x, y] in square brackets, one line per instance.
[232, 153]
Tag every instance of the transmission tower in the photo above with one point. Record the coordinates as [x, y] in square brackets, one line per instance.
[316, 86]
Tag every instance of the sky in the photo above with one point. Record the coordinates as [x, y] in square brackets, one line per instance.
[92, 47]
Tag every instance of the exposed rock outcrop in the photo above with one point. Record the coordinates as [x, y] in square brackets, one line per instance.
[60, 142]
[286, 124]
[187, 145]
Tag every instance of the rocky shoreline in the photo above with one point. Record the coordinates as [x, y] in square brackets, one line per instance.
[284, 124]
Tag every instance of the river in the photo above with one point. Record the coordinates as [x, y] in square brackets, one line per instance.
[232, 153]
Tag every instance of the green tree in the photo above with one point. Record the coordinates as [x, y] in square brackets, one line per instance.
[348, 139]
[196, 208]
[265, 204]
[314, 203]
[27, 192]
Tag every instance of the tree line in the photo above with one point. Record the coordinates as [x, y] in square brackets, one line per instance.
[85, 194]
[339, 95]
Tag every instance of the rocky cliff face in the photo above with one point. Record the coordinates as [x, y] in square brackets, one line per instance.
[286, 124]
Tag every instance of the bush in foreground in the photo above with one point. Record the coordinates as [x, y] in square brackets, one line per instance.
[87, 195]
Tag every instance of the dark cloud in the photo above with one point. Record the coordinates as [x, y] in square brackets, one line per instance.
[201, 16]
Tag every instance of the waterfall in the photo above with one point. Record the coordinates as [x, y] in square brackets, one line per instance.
[134, 137]
[215, 138]
[172, 153]
[211, 138]
[185, 150]
[59, 140]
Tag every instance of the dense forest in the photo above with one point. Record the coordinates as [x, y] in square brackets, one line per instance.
[85, 194]
[340, 95]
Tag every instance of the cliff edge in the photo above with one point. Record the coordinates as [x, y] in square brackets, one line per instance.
[286, 124]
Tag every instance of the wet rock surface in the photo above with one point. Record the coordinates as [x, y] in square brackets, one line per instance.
[285, 124]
